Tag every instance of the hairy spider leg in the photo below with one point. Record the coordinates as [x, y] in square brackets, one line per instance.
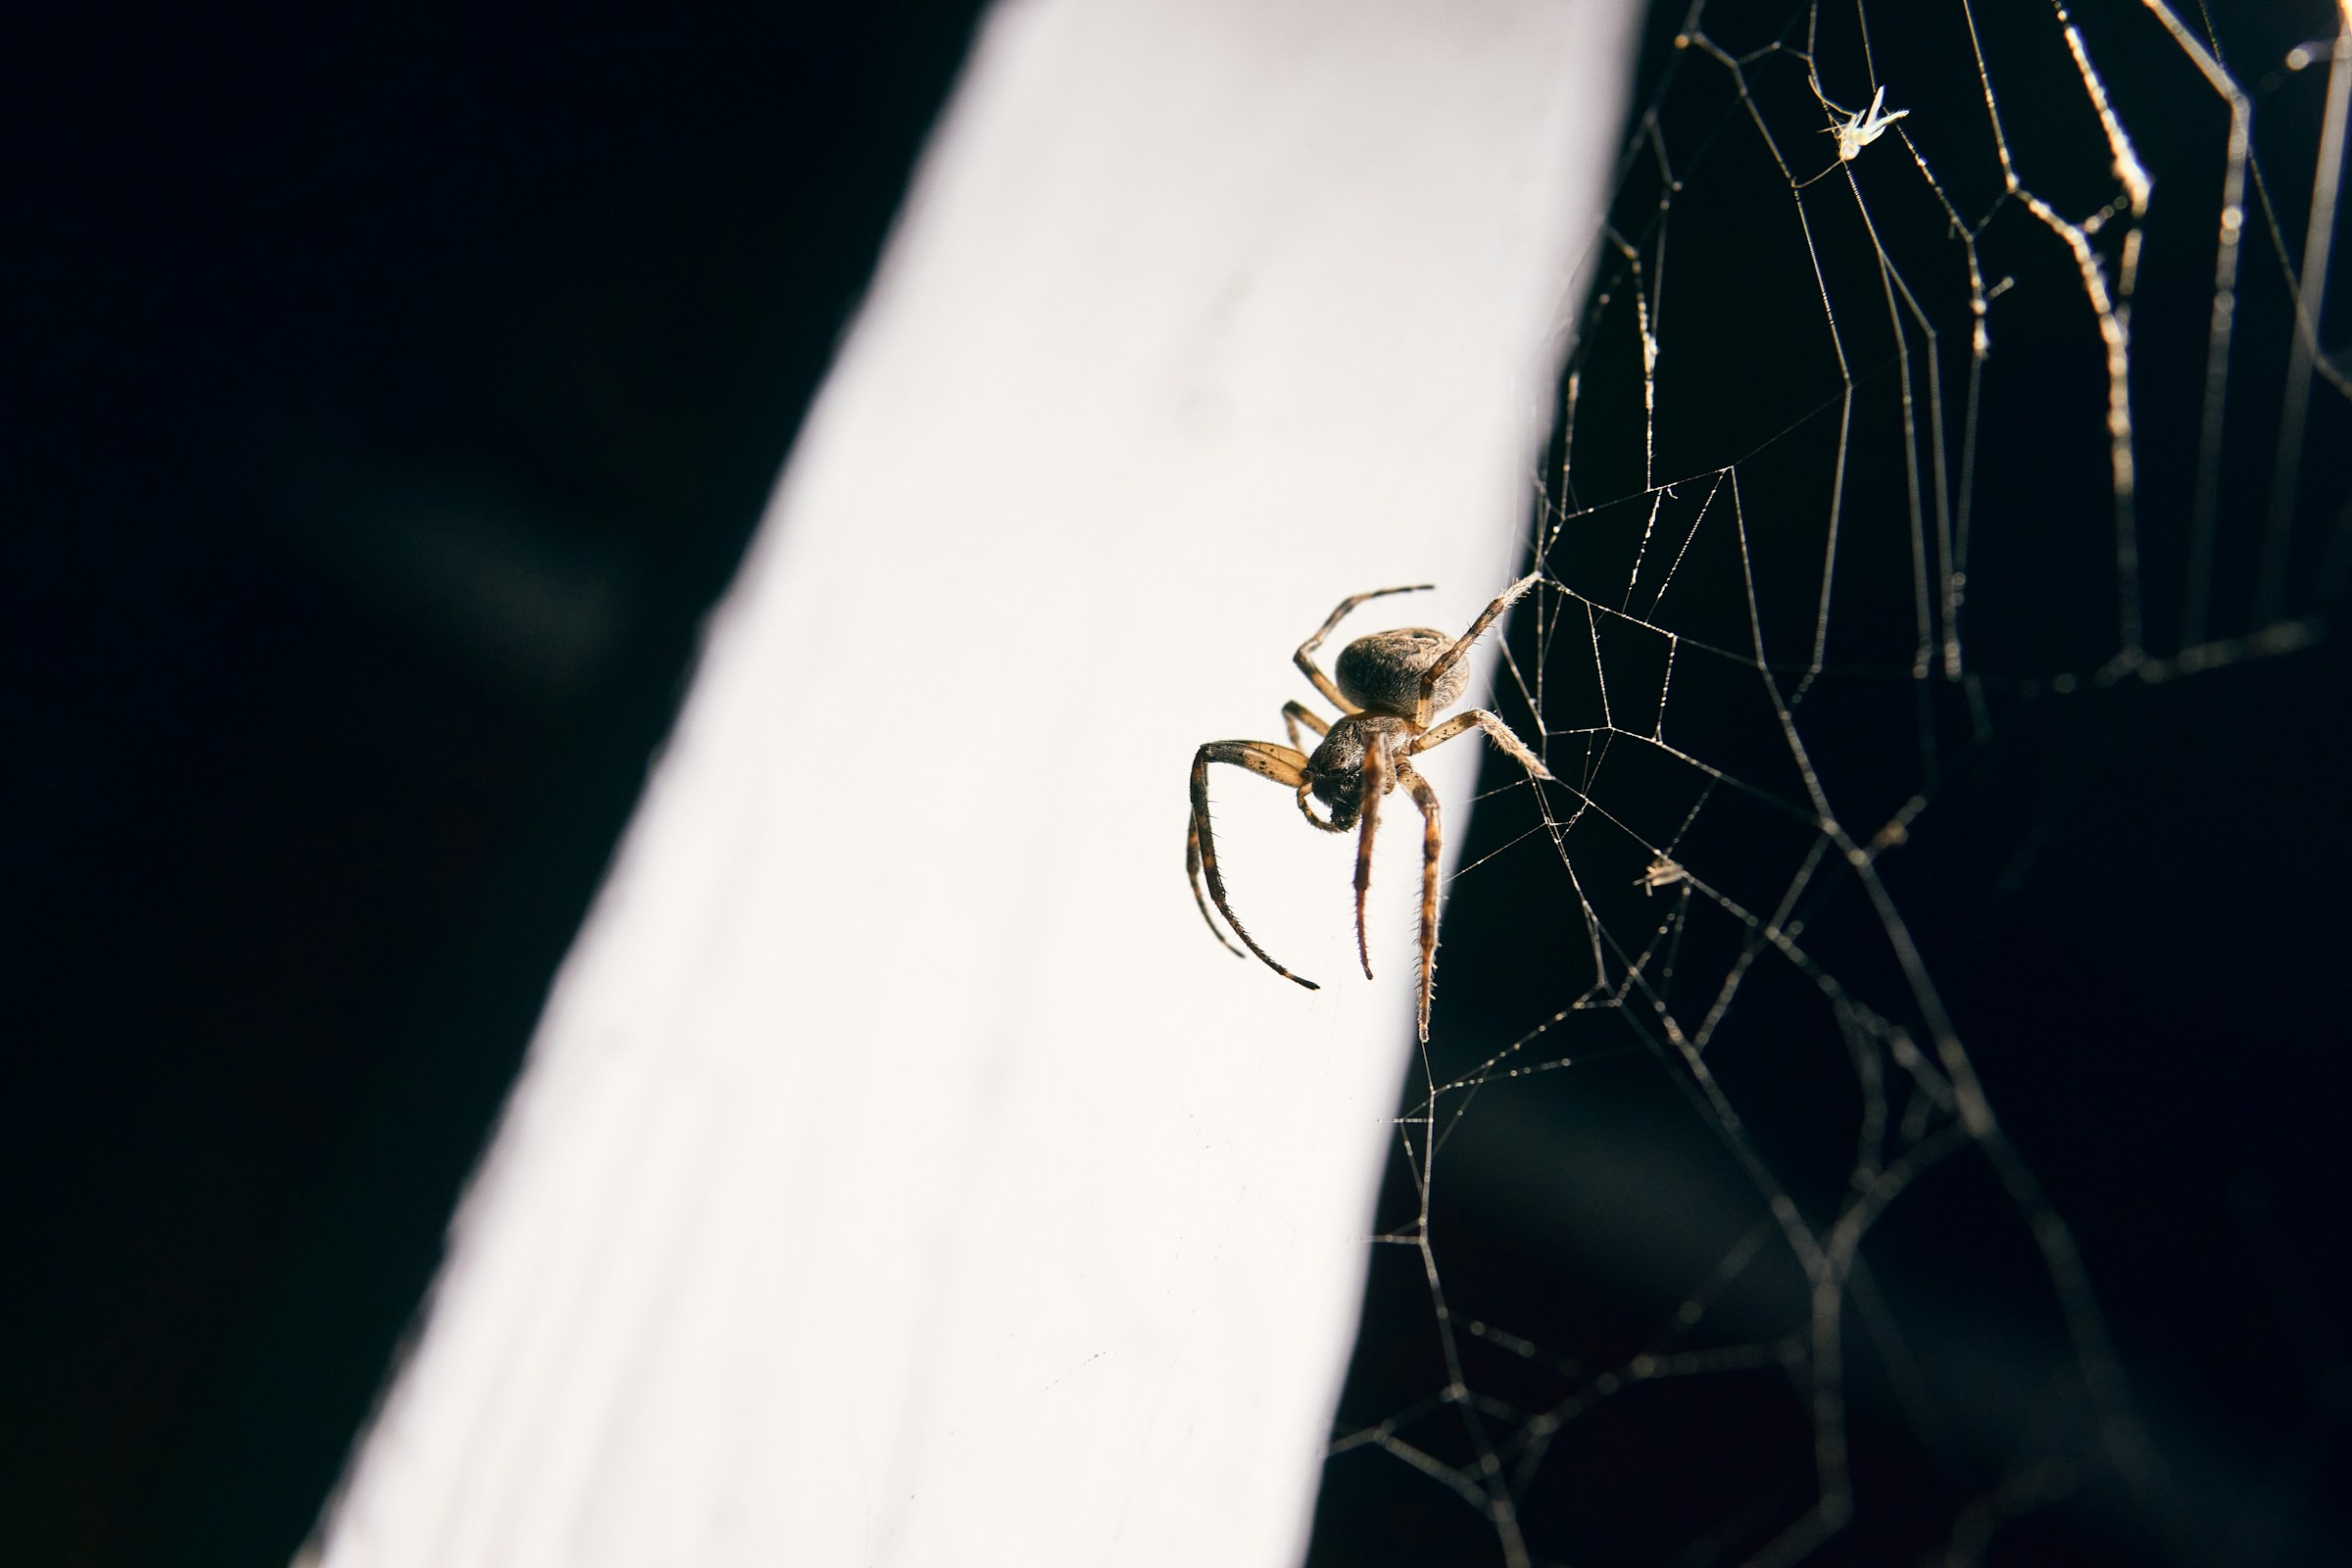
[1284, 766]
[1443, 665]
[1192, 867]
[1433, 841]
[1304, 657]
[1496, 731]
[1376, 784]
[1294, 714]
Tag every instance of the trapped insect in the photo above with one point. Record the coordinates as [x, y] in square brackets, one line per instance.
[1389, 685]
[1859, 129]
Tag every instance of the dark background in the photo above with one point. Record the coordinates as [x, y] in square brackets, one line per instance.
[395, 394]
[395, 389]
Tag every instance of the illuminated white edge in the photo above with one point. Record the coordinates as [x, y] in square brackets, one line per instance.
[901, 1173]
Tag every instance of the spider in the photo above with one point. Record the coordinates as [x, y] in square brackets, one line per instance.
[1390, 684]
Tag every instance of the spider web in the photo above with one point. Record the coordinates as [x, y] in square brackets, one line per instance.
[1884, 485]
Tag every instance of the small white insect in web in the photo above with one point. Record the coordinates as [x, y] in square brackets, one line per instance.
[1859, 129]
[1663, 872]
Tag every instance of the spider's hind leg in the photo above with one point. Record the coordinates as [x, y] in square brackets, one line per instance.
[1442, 665]
[1304, 657]
[1496, 731]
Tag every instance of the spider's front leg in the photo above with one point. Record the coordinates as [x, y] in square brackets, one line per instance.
[1280, 763]
[1375, 785]
[1433, 843]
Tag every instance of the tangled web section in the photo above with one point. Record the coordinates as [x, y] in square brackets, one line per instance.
[1942, 378]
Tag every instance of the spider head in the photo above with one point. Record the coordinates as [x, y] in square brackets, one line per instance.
[1336, 772]
[1341, 795]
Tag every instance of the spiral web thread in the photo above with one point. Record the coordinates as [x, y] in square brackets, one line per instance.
[1683, 646]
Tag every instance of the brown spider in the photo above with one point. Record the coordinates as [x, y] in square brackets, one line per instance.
[1389, 685]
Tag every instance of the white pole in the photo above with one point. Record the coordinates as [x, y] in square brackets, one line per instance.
[902, 1174]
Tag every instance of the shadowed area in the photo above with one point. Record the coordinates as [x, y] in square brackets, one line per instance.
[396, 390]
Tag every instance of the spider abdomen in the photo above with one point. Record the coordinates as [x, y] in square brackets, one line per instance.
[1381, 673]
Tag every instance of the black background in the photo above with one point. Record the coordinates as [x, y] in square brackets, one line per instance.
[394, 389]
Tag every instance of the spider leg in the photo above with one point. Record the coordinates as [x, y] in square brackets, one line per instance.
[1496, 731]
[1304, 657]
[1294, 714]
[1192, 868]
[1376, 784]
[1433, 841]
[1280, 763]
[1444, 663]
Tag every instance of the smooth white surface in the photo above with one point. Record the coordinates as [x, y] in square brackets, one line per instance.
[902, 1174]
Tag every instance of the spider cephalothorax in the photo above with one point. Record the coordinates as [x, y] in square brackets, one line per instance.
[1389, 685]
